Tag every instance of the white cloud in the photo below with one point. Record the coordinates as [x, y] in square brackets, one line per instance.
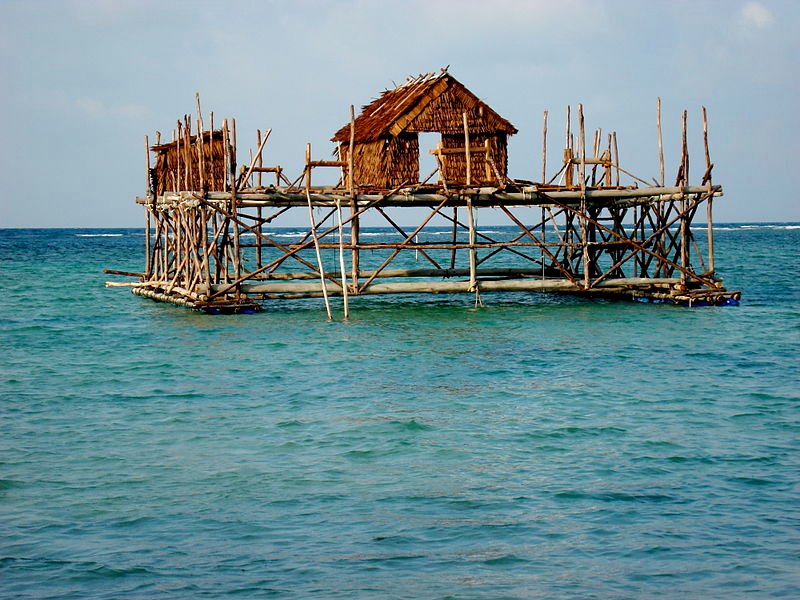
[505, 15]
[97, 108]
[756, 15]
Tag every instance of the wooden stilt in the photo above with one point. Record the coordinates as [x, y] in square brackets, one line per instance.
[354, 220]
[710, 201]
[342, 270]
[660, 142]
[314, 232]
[467, 151]
[473, 281]
[684, 231]
[583, 223]
[544, 148]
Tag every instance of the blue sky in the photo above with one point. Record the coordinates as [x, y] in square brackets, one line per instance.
[84, 81]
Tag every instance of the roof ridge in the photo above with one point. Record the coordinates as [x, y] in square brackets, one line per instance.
[394, 108]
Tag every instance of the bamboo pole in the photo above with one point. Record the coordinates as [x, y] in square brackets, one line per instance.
[314, 232]
[709, 205]
[233, 154]
[568, 150]
[147, 208]
[201, 155]
[342, 269]
[233, 253]
[473, 280]
[684, 220]
[568, 138]
[259, 210]
[226, 157]
[685, 144]
[204, 241]
[544, 238]
[355, 255]
[201, 144]
[584, 224]
[544, 149]
[213, 183]
[660, 142]
[487, 170]
[179, 163]
[437, 287]
[259, 162]
[467, 150]
[397, 273]
[455, 238]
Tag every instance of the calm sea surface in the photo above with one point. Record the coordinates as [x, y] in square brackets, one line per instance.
[540, 447]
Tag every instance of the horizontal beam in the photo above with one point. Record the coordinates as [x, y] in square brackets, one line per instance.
[462, 150]
[479, 197]
[454, 287]
[392, 273]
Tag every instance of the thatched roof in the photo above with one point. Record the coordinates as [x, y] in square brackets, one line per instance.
[396, 110]
[207, 135]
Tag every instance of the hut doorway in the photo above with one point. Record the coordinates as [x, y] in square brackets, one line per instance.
[427, 161]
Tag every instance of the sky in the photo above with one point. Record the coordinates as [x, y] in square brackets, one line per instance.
[84, 81]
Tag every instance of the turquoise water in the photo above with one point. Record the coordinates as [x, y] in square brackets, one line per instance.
[540, 447]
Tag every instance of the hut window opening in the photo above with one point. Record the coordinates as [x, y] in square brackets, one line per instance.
[427, 161]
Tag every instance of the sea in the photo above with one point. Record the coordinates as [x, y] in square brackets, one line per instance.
[537, 446]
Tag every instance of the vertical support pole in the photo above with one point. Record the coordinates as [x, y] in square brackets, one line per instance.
[584, 208]
[226, 155]
[259, 159]
[487, 170]
[616, 155]
[473, 262]
[179, 158]
[568, 149]
[187, 143]
[213, 183]
[634, 234]
[237, 253]
[544, 149]
[544, 239]
[314, 232]
[684, 231]
[204, 243]
[598, 134]
[454, 239]
[710, 201]
[201, 157]
[466, 150]
[354, 220]
[259, 210]
[233, 156]
[660, 142]
[201, 144]
[150, 196]
[342, 270]
[568, 130]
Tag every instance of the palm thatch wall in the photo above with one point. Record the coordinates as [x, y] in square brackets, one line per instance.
[386, 163]
[190, 164]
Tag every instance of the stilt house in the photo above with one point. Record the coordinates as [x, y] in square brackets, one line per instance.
[386, 149]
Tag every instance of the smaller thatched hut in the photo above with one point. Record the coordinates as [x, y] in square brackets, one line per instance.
[386, 146]
[178, 166]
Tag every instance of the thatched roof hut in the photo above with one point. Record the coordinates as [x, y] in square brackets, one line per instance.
[386, 148]
[178, 166]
